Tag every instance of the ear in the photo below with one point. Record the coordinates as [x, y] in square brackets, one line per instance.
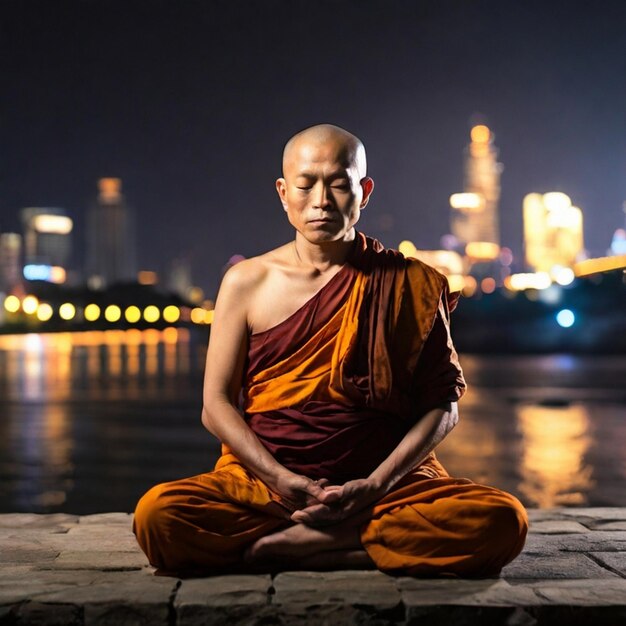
[281, 188]
[367, 184]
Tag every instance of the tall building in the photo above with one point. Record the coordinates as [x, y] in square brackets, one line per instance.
[475, 217]
[47, 243]
[10, 261]
[111, 255]
[553, 232]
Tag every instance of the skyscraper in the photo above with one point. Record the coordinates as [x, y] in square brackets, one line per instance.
[475, 217]
[110, 251]
[553, 232]
[10, 261]
[47, 243]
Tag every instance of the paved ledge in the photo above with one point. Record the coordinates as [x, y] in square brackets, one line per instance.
[68, 570]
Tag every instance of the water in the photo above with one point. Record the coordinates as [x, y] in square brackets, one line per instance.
[89, 421]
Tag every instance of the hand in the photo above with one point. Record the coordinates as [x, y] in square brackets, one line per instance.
[340, 502]
[299, 492]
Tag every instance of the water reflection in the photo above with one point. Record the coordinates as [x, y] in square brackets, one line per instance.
[89, 421]
[553, 465]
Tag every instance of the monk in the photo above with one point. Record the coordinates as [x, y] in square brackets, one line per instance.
[330, 379]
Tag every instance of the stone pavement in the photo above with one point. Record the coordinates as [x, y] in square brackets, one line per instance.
[64, 569]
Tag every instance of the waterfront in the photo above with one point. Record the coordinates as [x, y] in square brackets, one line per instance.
[90, 420]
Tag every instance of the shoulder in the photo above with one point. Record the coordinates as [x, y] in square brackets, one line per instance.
[248, 275]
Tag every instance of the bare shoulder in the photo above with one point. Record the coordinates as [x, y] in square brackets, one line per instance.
[248, 276]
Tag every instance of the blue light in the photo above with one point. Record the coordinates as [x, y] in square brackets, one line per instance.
[37, 272]
[565, 318]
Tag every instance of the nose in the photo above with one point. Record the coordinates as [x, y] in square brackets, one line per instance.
[321, 199]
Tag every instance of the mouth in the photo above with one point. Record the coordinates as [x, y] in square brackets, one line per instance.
[321, 220]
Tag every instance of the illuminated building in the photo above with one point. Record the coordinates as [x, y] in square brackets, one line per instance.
[47, 243]
[10, 261]
[553, 232]
[110, 237]
[474, 217]
[179, 278]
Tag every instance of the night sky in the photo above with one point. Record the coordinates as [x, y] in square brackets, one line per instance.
[190, 103]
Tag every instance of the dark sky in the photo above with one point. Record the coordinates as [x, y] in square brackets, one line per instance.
[191, 101]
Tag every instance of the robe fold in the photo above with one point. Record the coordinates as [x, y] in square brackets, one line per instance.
[330, 392]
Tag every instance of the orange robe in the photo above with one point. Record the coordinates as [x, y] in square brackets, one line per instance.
[330, 392]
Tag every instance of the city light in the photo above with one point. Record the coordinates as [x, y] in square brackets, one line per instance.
[30, 304]
[197, 315]
[488, 285]
[12, 304]
[563, 275]
[482, 250]
[467, 201]
[601, 264]
[456, 282]
[171, 314]
[44, 312]
[565, 318]
[92, 312]
[53, 224]
[147, 277]
[556, 201]
[520, 282]
[132, 314]
[151, 314]
[208, 316]
[408, 249]
[67, 311]
[480, 134]
[112, 313]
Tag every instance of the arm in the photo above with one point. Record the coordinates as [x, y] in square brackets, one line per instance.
[413, 448]
[222, 383]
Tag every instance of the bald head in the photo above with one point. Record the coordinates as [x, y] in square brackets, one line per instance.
[349, 148]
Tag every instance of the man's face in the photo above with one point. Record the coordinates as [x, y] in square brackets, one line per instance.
[321, 191]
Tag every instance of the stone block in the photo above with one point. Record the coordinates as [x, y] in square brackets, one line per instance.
[447, 615]
[107, 519]
[104, 561]
[36, 520]
[539, 543]
[365, 589]
[40, 614]
[582, 592]
[484, 592]
[557, 527]
[555, 566]
[604, 525]
[221, 599]
[593, 541]
[615, 561]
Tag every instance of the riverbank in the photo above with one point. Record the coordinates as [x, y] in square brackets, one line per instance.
[74, 570]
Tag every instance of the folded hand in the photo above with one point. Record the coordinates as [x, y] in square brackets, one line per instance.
[339, 502]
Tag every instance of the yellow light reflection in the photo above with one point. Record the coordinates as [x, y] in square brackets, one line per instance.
[556, 440]
[132, 314]
[30, 304]
[151, 314]
[112, 313]
[12, 304]
[170, 335]
[44, 312]
[92, 312]
[171, 314]
[67, 311]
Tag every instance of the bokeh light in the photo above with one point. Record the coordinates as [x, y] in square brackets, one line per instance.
[92, 312]
[151, 314]
[67, 311]
[565, 318]
[112, 313]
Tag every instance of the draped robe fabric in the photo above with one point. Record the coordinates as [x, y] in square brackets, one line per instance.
[330, 392]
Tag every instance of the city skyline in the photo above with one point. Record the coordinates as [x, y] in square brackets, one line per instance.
[190, 106]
